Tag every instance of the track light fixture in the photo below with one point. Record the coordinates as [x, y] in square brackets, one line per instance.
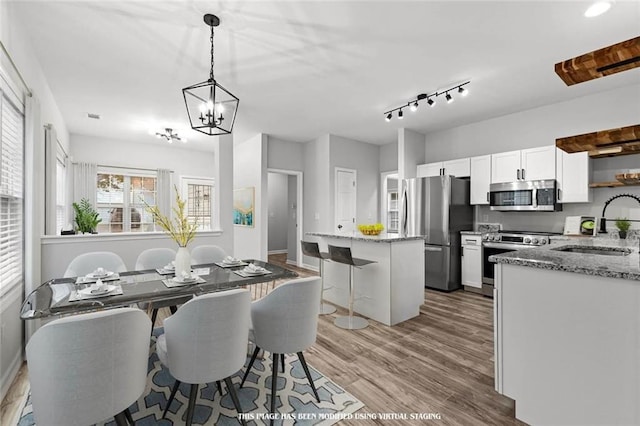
[413, 104]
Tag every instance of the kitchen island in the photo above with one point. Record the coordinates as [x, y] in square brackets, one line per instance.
[389, 291]
[567, 332]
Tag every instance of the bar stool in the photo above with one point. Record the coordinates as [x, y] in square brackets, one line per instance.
[343, 255]
[313, 250]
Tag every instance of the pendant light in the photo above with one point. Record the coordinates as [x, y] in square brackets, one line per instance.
[211, 108]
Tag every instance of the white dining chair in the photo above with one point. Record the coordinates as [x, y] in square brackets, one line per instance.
[88, 262]
[86, 368]
[205, 341]
[207, 254]
[286, 321]
[155, 258]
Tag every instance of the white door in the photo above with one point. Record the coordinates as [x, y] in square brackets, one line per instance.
[505, 167]
[539, 163]
[472, 266]
[480, 179]
[430, 169]
[345, 200]
[458, 168]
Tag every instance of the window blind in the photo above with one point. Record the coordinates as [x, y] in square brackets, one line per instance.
[11, 192]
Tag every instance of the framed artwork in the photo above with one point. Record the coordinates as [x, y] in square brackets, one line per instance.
[243, 206]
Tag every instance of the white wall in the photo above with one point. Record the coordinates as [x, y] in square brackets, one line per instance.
[411, 152]
[285, 155]
[250, 170]
[278, 189]
[364, 158]
[389, 157]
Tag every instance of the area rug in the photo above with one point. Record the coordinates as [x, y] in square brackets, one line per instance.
[295, 402]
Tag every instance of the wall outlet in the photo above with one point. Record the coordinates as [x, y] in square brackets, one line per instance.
[485, 217]
[317, 216]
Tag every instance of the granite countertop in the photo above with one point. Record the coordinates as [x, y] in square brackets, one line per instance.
[382, 238]
[471, 232]
[547, 257]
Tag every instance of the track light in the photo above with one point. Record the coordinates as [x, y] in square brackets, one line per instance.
[413, 104]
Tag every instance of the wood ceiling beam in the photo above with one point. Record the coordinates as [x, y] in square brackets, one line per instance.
[604, 143]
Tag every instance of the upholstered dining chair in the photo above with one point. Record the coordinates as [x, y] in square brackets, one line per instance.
[205, 341]
[155, 258]
[207, 254]
[86, 368]
[286, 321]
[88, 262]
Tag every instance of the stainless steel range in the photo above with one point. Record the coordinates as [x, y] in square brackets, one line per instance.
[503, 242]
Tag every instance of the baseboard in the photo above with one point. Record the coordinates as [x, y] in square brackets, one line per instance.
[277, 251]
[9, 376]
[292, 262]
[310, 267]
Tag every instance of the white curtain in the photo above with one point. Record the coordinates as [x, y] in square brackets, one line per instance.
[164, 196]
[84, 182]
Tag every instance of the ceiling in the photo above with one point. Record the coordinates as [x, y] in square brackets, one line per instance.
[303, 69]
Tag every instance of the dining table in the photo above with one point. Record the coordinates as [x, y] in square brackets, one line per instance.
[64, 296]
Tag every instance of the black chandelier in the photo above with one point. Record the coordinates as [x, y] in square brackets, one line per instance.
[170, 136]
[211, 108]
[431, 100]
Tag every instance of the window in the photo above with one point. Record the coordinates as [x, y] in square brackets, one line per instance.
[199, 194]
[11, 183]
[118, 200]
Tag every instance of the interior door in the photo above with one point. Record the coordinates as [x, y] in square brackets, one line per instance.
[345, 200]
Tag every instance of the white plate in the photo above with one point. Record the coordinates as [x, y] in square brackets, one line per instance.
[258, 272]
[88, 291]
[183, 280]
[93, 275]
[169, 268]
[237, 262]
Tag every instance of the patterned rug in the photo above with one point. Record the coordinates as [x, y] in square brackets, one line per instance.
[295, 402]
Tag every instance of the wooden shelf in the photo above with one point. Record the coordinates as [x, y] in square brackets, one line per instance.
[612, 184]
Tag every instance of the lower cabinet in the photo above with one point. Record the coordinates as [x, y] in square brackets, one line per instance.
[472, 261]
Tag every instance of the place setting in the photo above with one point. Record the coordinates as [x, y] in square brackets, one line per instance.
[186, 278]
[98, 274]
[95, 290]
[167, 269]
[252, 270]
[231, 262]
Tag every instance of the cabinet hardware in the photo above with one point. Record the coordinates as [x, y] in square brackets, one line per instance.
[487, 197]
[522, 174]
[559, 195]
[518, 174]
[461, 251]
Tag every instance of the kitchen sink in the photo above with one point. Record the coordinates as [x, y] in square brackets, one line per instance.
[603, 251]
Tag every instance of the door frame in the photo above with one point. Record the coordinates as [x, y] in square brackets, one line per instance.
[335, 196]
[299, 209]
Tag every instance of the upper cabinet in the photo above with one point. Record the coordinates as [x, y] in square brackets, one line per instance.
[573, 173]
[457, 168]
[480, 179]
[527, 164]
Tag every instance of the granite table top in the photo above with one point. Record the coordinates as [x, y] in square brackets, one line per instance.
[357, 236]
[625, 266]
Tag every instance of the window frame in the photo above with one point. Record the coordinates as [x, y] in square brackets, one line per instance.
[185, 181]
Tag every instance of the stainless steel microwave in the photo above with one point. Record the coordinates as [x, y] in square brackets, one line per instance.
[532, 195]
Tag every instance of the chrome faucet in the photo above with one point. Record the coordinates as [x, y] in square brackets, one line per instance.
[603, 221]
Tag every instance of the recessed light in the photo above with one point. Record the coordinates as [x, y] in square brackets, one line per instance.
[597, 8]
[93, 115]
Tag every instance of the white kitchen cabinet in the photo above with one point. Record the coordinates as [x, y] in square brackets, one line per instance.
[480, 179]
[573, 173]
[527, 164]
[430, 169]
[472, 261]
[458, 168]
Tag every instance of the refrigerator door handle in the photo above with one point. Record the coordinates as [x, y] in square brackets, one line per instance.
[432, 248]
[405, 213]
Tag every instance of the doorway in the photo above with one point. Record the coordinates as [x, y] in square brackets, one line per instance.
[284, 213]
[345, 200]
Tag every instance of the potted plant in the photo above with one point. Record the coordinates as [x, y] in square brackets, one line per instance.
[179, 230]
[87, 219]
[623, 226]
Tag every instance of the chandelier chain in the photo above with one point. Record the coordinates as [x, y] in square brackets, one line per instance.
[212, 62]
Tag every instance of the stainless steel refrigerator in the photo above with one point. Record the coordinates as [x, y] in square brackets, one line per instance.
[437, 208]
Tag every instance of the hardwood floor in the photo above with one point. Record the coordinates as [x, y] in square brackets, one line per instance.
[440, 362]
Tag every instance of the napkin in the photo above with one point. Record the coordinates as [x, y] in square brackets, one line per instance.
[254, 268]
[231, 259]
[98, 286]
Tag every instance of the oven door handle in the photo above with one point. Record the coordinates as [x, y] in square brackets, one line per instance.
[512, 247]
